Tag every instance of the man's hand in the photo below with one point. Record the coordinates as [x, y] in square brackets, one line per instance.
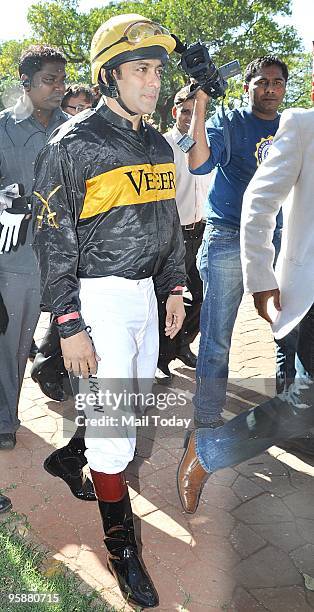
[79, 354]
[200, 152]
[202, 97]
[11, 225]
[175, 315]
[261, 299]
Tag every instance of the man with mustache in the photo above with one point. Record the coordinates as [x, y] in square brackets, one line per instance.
[107, 180]
[24, 130]
[233, 147]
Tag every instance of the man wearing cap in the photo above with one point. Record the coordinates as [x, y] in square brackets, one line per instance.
[191, 193]
[105, 225]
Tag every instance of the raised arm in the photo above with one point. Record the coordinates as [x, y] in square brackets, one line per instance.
[200, 152]
[209, 148]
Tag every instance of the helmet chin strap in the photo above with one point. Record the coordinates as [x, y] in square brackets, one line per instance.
[125, 108]
[111, 90]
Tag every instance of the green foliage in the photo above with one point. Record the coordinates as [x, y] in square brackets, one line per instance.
[236, 29]
[10, 53]
[59, 23]
[241, 29]
[22, 570]
[300, 82]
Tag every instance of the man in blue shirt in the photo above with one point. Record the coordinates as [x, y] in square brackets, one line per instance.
[251, 130]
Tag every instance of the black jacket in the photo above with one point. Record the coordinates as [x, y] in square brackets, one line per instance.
[111, 209]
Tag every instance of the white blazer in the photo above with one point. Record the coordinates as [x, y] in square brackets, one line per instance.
[285, 178]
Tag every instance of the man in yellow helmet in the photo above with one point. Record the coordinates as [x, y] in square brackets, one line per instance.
[105, 226]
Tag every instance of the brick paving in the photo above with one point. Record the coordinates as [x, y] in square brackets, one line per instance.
[249, 547]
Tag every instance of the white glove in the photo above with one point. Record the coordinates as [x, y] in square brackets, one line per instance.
[10, 231]
[5, 201]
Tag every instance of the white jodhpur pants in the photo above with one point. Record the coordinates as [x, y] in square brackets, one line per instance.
[123, 318]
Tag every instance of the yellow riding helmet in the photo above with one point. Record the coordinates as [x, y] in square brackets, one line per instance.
[125, 38]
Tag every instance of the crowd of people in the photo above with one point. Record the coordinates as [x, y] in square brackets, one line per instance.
[115, 224]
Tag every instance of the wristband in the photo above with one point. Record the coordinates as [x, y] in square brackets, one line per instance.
[178, 290]
[186, 143]
[68, 317]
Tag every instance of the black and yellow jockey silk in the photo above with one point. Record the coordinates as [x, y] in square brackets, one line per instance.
[128, 186]
[115, 210]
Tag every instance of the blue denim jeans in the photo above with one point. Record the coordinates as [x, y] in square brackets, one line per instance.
[219, 265]
[220, 269]
[285, 347]
[287, 415]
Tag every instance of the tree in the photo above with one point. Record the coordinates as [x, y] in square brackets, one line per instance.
[240, 29]
[300, 81]
[10, 53]
[59, 23]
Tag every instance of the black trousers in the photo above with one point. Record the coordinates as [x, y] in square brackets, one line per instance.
[48, 363]
[168, 349]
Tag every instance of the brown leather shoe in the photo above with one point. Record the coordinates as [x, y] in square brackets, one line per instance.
[191, 478]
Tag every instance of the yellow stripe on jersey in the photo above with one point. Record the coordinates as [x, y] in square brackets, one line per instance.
[128, 185]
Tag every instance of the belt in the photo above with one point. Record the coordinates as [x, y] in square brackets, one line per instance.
[192, 226]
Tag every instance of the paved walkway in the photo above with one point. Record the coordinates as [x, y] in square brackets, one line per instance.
[249, 547]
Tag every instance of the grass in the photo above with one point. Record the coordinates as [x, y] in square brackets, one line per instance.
[25, 568]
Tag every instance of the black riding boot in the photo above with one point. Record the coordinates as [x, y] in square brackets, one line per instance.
[123, 560]
[67, 463]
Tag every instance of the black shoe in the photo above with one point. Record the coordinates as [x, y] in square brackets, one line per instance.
[132, 577]
[163, 376]
[5, 504]
[302, 446]
[188, 358]
[67, 463]
[33, 351]
[7, 441]
[124, 561]
[53, 390]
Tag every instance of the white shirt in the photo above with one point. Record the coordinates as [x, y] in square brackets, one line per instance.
[191, 190]
[286, 179]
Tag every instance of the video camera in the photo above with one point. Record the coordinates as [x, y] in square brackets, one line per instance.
[198, 64]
